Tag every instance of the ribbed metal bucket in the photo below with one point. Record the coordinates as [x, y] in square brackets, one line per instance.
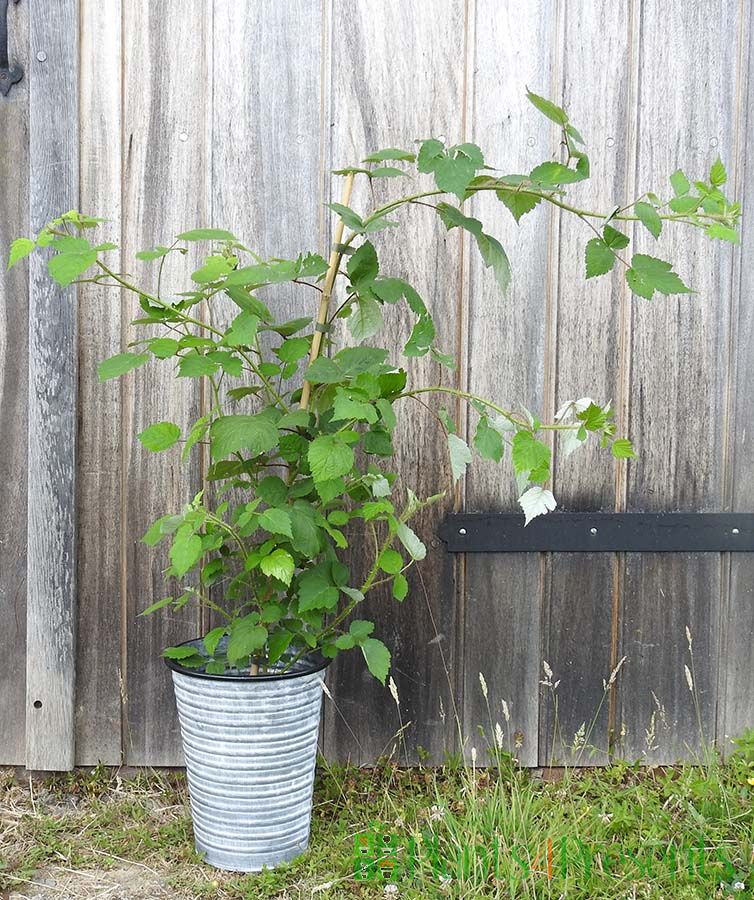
[251, 746]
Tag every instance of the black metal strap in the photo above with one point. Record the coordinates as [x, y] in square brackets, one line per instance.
[600, 532]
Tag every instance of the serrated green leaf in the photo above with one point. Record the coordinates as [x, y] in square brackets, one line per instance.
[723, 233]
[206, 234]
[362, 267]
[649, 217]
[377, 658]
[680, 184]
[349, 217]
[160, 604]
[488, 441]
[246, 637]
[279, 564]
[163, 348]
[365, 319]
[214, 268]
[518, 202]
[599, 258]
[276, 521]
[186, 550]
[243, 330]
[717, 175]
[453, 174]
[293, 349]
[277, 644]
[648, 274]
[19, 249]
[213, 638]
[400, 587]
[229, 434]
[160, 436]
[195, 365]
[390, 153]
[553, 112]
[555, 173]
[179, 653]
[120, 364]
[329, 457]
[391, 562]
[622, 448]
[531, 457]
[65, 268]
[615, 239]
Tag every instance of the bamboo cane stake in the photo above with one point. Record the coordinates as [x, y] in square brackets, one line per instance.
[324, 304]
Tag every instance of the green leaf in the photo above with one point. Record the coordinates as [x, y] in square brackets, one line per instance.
[365, 319]
[329, 457]
[648, 274]
[229, 434]
[723, 233]
[420, 340]
[214, 268]
[160, 436]
[410, 540]
[276, 521]
[460, 455]
[272, 490]
[65, 268]
[195, 365]
[179, 653]
[363, 266]
[518, 202]
[306, 535]
[453, 174]
[279, 564]
[387, 172]
[163, 348]
[491, 250]
[531, 457]
[555, 173]
[346, 407]
[316, 591]
[390, 153]
[186, 550]
[377, 657]
[400, 587]
[19, 249]
[206, 234]
[360, 629]
[391, 562]
[548, 108]
[355, 360]
[277, 644]
[717, 174]
[215, 667]
[150, 255]
[679, 183]
[163, 526]
[615, 239]
[349, 217]
[386, 411]
[120, 364]
[622, 448]
[599, 258]
[324, 371]
[213, 638]
[649, 217]
[488, 441]
[246, 637]
[293, 349]
[243, 330]
[160, 604]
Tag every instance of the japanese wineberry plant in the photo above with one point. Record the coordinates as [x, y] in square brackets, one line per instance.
[298, 423]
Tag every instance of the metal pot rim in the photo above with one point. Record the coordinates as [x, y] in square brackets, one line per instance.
[311, 663]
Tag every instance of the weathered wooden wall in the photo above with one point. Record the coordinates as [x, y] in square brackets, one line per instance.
[232, 113]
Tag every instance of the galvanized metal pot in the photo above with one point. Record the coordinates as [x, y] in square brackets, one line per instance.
[250, 744]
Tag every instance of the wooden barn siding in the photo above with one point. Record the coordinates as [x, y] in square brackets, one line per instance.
[234, 113]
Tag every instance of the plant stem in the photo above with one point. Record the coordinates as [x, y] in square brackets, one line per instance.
[332, 271]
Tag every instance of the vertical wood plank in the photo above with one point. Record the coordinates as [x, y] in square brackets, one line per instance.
[98, 643]
[166, 114]
[679, 365]
[514, 46]
[736, 702]
[577, 622]
[14, 222]
[377, 102]
[51, 554]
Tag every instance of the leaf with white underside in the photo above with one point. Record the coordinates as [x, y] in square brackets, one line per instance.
[460, 455]
[537, 501]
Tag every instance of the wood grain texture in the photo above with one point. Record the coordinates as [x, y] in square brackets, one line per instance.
[166, 117]
[14, 221]
[369, 110]
[578, 610]
[735, 699]
[51, 554]
[514, 45]
[678, 391]
[98, 646]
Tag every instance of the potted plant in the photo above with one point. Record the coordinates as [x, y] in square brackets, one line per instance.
[299, 446]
